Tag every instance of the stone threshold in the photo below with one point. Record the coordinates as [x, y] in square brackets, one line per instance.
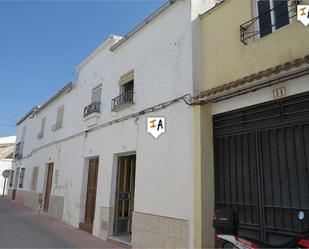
[123, 240]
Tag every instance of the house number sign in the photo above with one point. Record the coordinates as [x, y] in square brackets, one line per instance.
[279, 92]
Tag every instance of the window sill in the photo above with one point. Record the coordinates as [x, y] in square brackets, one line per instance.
[56, 127]
[123, 106]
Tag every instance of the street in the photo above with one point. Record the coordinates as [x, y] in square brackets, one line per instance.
[23, 228]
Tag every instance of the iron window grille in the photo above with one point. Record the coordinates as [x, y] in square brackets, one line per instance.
[270, 20]
[94, 107]
[18, 150]
[21, 178]
[123, 99]
[11, 178]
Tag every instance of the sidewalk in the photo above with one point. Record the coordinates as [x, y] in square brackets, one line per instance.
[74, 236]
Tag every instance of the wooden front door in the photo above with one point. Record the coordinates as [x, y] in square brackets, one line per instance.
[91, 195]
[125, 195]
[49, 180]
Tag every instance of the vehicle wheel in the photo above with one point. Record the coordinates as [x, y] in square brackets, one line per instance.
[228, 245]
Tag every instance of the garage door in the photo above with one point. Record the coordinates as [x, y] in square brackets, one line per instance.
[262, 166]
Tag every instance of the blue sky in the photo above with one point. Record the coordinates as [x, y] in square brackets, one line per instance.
[42, 42]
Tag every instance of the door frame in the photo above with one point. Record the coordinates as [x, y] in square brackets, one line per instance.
[87, 182]
[45, 209]
[83, 200]
[15, 182]
[116, 163]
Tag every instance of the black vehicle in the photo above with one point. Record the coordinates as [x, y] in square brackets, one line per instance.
[225, 222]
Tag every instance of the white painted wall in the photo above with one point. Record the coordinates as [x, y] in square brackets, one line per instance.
[6, 147]
[161, 55]
[4, 165]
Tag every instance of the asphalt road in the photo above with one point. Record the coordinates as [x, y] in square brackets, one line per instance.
[17, 230]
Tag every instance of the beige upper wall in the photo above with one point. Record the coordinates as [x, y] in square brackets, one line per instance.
[225, 58]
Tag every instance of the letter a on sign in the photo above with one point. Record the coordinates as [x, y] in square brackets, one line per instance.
[155, 126]
[303, 14]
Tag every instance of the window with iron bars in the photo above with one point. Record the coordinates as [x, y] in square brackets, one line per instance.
[21, 178]
[271, 15]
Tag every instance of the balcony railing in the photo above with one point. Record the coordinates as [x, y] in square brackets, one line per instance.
[94, 107]
[56, 126]
[254, 28]
[40, 135]
[122, 100]
[18, 150]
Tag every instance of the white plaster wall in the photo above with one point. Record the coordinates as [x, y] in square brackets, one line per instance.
[4, 164]
[161, 55]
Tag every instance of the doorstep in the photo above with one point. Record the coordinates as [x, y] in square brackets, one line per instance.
[86, 227]
[123, 240]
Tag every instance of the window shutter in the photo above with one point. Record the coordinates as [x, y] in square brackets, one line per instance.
[23, 135]
[264, 17]
[281, 12]
[43, 125]
[21, 178]
[96, 94]
[60, 113]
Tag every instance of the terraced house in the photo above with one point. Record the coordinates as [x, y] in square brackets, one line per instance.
[85, 155]
[252, 118]
[6, 158]
[231, 80]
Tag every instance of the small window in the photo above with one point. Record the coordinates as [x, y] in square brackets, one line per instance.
[59, 119]
[23, 134]
[126, 92]
[21, 178]
[11, 178]
[41, 134]
[273, 14]
[34, 179]
[96, 94]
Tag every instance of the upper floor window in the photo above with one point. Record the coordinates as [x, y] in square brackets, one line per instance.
[21, 178]
[95, 106]
[273, 14]
[270, 15]
[23, 134]
[96, 94]
[59, 118]
[41, 134]
[126, 92]
[20, 145]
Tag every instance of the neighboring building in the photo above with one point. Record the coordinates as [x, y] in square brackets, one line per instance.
[252, 118]
[85, 156]
[6, 157]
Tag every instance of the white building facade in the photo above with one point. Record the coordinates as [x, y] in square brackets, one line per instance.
[85, 155]
[6, 158]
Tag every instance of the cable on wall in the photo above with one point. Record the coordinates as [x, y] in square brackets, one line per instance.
[187, 99]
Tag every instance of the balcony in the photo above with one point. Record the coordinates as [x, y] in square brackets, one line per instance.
[56, 126]
[269, 21]
[18, 151]
[92, 114]
[94, 107]
[40, 135]
[122, 100]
